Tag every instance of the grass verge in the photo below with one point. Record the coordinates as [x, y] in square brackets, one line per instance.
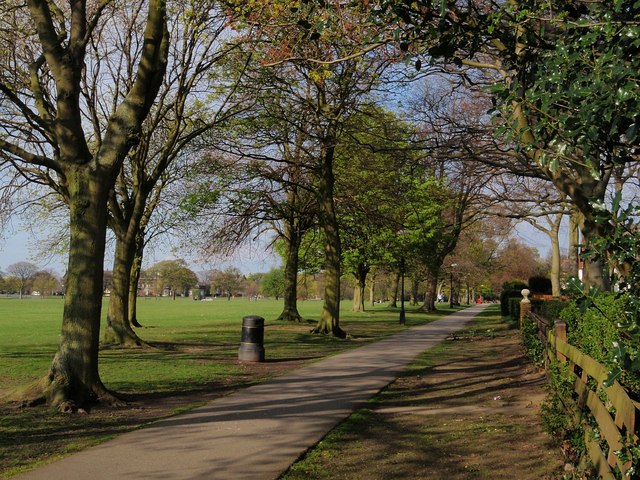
[195, 361]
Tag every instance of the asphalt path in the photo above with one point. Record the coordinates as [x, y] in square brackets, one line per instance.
[259, 431]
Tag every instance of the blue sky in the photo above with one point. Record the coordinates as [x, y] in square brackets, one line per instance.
[16, 246]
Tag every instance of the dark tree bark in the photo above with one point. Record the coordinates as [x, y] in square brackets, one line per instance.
[395, 285]
[292, 238]
[86, 180]
[431, 292]
[73, 377]
[329, 322]
[361, 281]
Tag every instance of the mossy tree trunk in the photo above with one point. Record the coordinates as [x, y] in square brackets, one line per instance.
[395, 285]
[361, 281]
[85, 178]
[73, 377]
[118, 329]
[134, 281]
[126, 222]
[292, 238]
[329, 322]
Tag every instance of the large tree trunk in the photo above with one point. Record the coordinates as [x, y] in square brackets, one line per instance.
[292, 238]
[554, 235]
[134, 281]
[431, 292]
[329, 322]
[395, 284]
[73, 378]
[372, 288]
[595, 273]
[118, 329]
[358, 292]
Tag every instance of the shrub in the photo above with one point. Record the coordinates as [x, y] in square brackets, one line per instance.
[595, 333]
[514, 307]
[560, 423]
[531, 342]
[550, 309]
[512, 291]
[540, 285]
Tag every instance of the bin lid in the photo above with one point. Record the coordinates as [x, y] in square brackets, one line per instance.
[252, 321]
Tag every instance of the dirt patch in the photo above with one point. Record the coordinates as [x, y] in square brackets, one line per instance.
[474, 413]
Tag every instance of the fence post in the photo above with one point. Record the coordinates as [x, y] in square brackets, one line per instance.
[560, 332]
[525, 305]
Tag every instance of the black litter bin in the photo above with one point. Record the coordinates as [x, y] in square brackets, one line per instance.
[252, 341]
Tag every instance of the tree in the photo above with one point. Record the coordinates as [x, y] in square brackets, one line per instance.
[173, 275]
[327, 91]
[46, 56]
[166, 147]
[261, 181]
[537, 203]
[373, 179]
[452, 138]
[23, 272]
[225, 282]
[46, 282]
[516, 262]
[273, 283]
[563, 80]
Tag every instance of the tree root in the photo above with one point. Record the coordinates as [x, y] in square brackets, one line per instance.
[290, 317]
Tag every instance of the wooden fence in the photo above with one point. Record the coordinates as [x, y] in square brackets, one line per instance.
[617, 415]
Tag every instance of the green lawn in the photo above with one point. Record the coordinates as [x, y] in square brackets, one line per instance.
[195, 356]
[192, 338]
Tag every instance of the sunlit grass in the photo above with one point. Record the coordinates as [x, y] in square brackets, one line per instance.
[195, 351]
[195, 340]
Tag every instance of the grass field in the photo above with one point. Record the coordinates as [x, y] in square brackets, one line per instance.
[194, 360]
[189, 335]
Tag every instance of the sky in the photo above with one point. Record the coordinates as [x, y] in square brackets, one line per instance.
[17, 246]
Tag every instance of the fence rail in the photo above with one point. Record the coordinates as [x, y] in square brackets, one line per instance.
[616, 414]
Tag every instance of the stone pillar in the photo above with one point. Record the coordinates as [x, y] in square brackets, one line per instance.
[525, 305]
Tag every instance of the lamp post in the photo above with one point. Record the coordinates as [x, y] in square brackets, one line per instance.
[453, 265]
[402, 312]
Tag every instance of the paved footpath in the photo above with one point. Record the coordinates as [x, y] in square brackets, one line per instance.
[260, 431]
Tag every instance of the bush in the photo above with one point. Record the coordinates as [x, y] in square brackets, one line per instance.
[595, 333]
[550, 309]
[505, 308]
[531, 342]
[516, 285]
[540, 285]
[514, 307]
[556, 420]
